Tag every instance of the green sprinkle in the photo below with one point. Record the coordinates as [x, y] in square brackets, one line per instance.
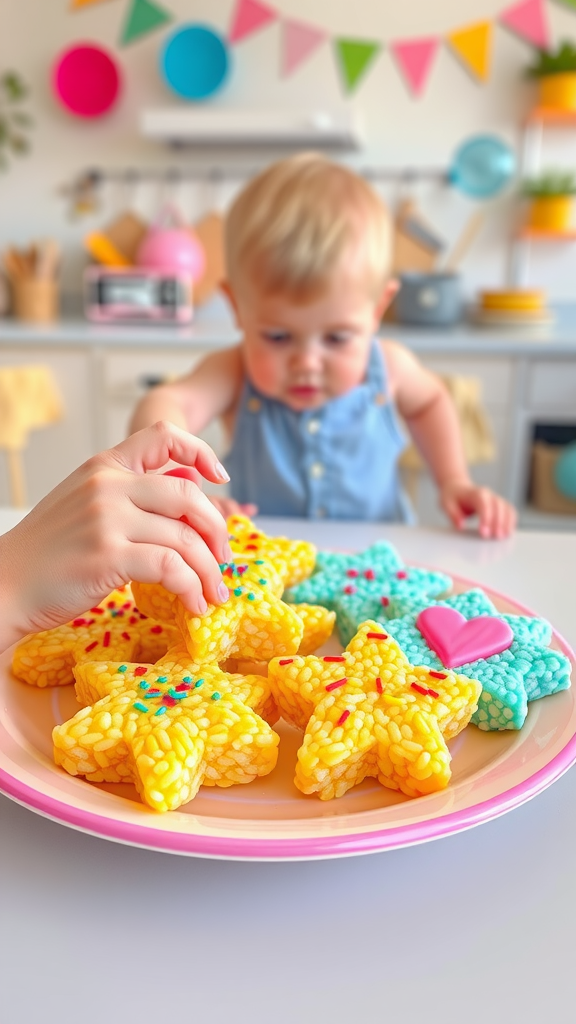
[122, 668]
[216, 696]
[140, 707]
[186, 679]
[237, 591]
[162, 679]
[114, 614]
[161, 711]
[144, 686]
[250, 597]
[263, 582]
[259, 561]
[198, 683]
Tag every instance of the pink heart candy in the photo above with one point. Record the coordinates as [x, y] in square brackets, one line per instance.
[457, 640]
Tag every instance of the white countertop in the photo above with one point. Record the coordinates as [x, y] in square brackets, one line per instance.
[213, 326]
[476, 927]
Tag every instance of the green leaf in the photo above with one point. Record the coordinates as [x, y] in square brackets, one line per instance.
[22, 119]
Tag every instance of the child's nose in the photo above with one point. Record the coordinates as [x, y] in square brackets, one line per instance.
[308, 356]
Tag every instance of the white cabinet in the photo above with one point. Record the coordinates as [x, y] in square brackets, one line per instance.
[54, 451]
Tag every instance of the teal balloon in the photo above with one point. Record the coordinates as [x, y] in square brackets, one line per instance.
[565, 471]
[482, 166]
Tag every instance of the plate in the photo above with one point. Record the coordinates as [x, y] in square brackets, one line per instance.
[269, 819]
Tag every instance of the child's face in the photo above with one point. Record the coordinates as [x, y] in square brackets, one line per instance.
[305, 354]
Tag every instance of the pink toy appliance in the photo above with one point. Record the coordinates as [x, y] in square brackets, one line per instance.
[137, 295]
[170, 246]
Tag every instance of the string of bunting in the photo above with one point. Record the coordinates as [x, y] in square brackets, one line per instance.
[470, 44]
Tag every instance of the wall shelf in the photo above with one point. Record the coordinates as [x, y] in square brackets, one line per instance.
[538, 235]
[213, 127]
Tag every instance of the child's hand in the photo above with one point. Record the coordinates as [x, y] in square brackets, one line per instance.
[497, 518]
[111, 522]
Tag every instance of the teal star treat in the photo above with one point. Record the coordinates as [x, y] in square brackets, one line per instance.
[508, 654]
[374, 584]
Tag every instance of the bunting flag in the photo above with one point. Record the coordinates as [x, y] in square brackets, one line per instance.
[568, 3]
[298, 42]
[528, 20]
[77, 4]
[249, 16]
[414, 58]
[472, 45]
[354, 58]
[143, 17]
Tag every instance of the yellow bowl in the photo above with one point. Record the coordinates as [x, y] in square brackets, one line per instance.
[518, 299]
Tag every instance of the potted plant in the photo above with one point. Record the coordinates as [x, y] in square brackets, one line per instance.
[550, 198]
[14, 121]
[556, 74]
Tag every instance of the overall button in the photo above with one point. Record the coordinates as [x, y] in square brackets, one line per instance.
[313, 426]
[253, 405]
[316, 470]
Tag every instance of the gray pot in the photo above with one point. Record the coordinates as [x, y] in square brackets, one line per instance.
[429, 299]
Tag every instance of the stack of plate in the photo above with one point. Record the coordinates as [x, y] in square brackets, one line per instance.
[514, 308]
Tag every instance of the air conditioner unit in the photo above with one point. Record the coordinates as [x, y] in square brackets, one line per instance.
[183, 126]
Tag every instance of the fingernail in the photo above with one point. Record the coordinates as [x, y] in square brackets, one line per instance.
[220, 472]
[227, 552]
[202, 605]
[223, 592]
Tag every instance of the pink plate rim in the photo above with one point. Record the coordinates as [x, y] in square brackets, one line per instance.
[320, 847]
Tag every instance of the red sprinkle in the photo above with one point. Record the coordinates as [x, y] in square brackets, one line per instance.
[352, 572]
[79, 622]
[229, 570]
[376, 636]
[141, 615]
[106, 640]
[127, 604]
[251, 547]
[379, 686]
[125, 636]
[253, 536]
[370, 574]
[156, 629]
[111, 604]
[90, 622]
[133, 619]
[286, 661]
[343, 717]
[91, 646]
[384, 601]
[168, 701]
[420, 689]
[349, 589]
[433, 693]
[140, 671]
[401, 575]
[97, 611]
[337, 684]
[438, 675]
[154, 692]
[181, 687]
[334, 657]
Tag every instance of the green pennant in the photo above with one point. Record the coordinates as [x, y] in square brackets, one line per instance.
[143, 17]
[568, 3]
[354, 58]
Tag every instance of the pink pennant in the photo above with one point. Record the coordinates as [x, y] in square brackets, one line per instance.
[415, 59]
[249, 16]
[528, 20]
[298, 42]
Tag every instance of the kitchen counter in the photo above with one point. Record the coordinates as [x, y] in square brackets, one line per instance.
[213, 326]
[479, 925]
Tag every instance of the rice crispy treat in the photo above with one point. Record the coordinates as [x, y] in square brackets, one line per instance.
[253, 625]
[526, 670]
[369, 585]
[167, 729]
[298, 556]
[113, 629]
[369, 712]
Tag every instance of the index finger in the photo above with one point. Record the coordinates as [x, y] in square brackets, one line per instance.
[153, 447]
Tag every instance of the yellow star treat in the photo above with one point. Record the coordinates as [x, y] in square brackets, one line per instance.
[167, 730]
[318, 625]
[298, 556]
[369, 712]
[253, 625]
[113, 629]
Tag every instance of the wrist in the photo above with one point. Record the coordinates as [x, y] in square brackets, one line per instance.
[454, 481]
[13, 621]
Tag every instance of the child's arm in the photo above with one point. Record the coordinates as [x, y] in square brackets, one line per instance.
[428, 410]
[111, 522]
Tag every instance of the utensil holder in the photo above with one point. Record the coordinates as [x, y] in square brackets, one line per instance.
[36, 299]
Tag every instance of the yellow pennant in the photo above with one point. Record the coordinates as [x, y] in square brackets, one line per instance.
[75, 4]
[473, 45]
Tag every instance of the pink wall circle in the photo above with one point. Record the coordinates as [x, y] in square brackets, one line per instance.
[86, 80]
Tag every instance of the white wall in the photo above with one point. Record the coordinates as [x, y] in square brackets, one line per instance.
[400, 129]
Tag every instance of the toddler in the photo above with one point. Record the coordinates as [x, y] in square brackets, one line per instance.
[310, 395]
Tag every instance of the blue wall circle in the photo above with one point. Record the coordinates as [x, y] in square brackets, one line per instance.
[195, 61]
[482, 166]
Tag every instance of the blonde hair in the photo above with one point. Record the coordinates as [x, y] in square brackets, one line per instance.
[293, 224]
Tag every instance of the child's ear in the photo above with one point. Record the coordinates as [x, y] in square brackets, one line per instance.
[226, 289]
[389, 291]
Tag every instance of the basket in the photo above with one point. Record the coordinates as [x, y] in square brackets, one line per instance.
[544, 494]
